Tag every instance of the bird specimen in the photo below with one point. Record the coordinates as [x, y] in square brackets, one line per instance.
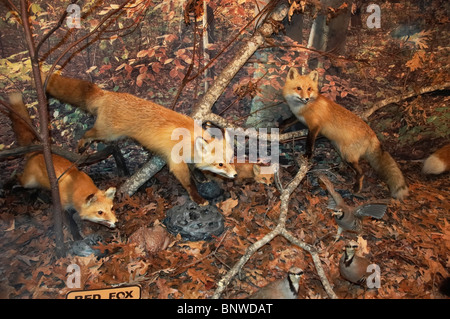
[284, 288]
[350, 218]
[353, 267]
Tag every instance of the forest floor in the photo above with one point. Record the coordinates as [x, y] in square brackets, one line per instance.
[410, 244]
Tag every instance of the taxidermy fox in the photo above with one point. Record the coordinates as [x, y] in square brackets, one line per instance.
[252, 171]
[152, 125]
[76, 188]
[438, 162]
[349, 134]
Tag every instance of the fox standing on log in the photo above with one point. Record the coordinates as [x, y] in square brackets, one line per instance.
[349, 134]
[152, 125]
[76, 188]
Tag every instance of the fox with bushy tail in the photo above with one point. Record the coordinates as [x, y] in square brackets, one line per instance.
[76, 188]
[152, 125]
[349, 134]
[438, 162]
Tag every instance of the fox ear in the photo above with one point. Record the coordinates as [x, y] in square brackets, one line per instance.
[293, 72]
[201, 145]
[256, 169]
[110, 192]
[314, 75]
[91, 199]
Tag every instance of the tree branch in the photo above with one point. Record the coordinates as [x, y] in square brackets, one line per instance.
[203, 108]
[399, 98]
[280, 229]
[80, 159]
[43, 119]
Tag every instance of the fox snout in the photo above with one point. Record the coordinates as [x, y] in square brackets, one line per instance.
[109, 224]
[304, 99]
[228, 174]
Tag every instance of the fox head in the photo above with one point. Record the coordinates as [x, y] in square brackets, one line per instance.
[216, 155]
[301, 89]
[97, 208]
[261, 178]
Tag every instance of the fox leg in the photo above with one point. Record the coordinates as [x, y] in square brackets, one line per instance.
[359, 176]
[181, 172]
[88, 137]
[311, 140]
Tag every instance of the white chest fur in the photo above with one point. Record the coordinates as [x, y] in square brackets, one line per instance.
[296, 107]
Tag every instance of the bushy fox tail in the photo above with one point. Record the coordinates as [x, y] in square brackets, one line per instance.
[76, 92]
[438, 162]
[383, 163]
[22, 131]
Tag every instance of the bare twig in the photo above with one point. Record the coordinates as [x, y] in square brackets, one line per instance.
[203, 107]
[280, 229]
[399, 98]
[43, 119]
[94, 30]
[73, 157]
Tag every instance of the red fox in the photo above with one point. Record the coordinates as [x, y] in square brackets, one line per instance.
[349, 134]
[76, 188]
[438, 162]
[252, 171]
[152, 125]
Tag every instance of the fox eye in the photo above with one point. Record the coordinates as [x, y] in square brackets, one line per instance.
[100, 212]
[309, 89]
[299, 88]
[220, 164]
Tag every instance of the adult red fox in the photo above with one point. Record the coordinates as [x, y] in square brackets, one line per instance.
[152, 125]
[76, 188]
[438, 162]
[349, 134]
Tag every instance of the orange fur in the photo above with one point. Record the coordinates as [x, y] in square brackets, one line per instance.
[350, 135]
[438, 162]
[252, 171]
[124, 115]
[76, 188]
[21, 122]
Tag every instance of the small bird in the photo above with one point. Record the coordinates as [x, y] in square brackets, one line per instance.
[285, 288]
[352, 267]
[350, 218]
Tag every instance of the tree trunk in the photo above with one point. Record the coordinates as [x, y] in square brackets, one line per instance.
[330, 33]
[43, 119]
[261, 114]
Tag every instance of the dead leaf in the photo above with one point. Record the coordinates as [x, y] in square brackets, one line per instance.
[228, 205]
